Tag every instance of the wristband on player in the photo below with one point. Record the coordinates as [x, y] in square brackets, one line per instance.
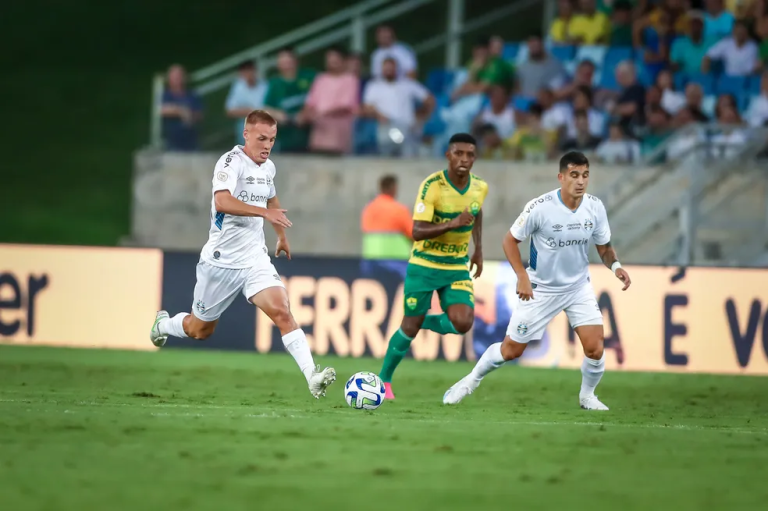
[615, 266]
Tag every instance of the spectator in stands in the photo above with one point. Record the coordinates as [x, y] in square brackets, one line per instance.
[621, 24]
[582, 102]
[618, 148]
[694, 97]
[583, 140]
[496, 122]
[387, 225]
[653, 97]
[332, 105]
[530, 141]
[285, 101]
[758, 21]
[656, 40]
[630, 105]
[757, 113]
[718, 23]
[496, 46]
[354, 64]
[667, 15]
[540, 70]
[391, 48]
[589, 26]
[555, 114]
[246, 95]
[738, 53]
[182, 111]
[683, 146]
[729, 141]
[657, 130]
[391, 101]
[689, 51]
[484, 71]
[559, 31]
[582, 77]
[671, 100]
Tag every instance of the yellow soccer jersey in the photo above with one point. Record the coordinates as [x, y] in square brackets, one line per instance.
[440, 201]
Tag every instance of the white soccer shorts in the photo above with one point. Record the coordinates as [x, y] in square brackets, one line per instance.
[216, 288]
[530, 318]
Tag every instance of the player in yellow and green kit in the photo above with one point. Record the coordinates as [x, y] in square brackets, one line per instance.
[447, 214]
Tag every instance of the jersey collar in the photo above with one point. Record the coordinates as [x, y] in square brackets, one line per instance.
[560, 198]
[462, 192]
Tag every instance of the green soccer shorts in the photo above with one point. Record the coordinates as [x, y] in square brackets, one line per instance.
[452, 286]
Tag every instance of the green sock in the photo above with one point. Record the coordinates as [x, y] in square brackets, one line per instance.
[439, 323]
[398, 347]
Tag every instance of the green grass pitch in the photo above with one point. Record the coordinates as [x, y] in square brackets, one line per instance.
[211, 430]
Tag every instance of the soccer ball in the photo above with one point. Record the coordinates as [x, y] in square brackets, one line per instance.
[364, 391]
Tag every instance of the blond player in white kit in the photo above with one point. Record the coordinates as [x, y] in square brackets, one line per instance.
[561, 224]
[235, 259]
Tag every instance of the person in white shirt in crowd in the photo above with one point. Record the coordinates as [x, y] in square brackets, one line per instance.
[390, 48]
[739, 54]
[540, 70]
[582, 100]
[671, 100]
[246, 95]
[496, 122]
[728, 143]
[556, 114]
[618, 149]
[583, 140]
[391, 100]
[757, 113]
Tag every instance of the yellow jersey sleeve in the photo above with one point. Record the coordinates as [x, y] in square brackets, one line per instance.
[429, 193]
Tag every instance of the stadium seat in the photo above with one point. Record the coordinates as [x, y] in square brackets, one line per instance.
[615, 55]
[522, 103]
[608, 79]
[594, 53]
[439, 81]
[563, 53]
[753, 85]
[736, 85]
[509, 53]
[707, 82]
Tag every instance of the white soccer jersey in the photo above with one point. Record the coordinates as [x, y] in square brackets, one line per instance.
[236, 241]
[559, 258]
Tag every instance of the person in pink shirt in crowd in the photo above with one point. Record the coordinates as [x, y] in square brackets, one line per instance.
[332, 105]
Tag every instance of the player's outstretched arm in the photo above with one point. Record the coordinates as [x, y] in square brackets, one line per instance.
[511, 246]
[282, 239]
[427, 230]
[610, 259]
[229, 205]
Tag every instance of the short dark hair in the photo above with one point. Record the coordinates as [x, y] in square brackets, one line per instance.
[622, 5]
[587, 91]
[573, 158]
[580, 113]
[462, 138]
[286, 49]
[246, 64]
[387, 183]
[536, 109]
[337, 49]
[482, 42]
[260, 117]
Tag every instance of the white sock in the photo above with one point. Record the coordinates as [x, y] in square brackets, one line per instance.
[296, 344]
[173, 326]
[490, 361]
[591, 372]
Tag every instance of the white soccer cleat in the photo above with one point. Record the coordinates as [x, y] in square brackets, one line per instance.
[155, 336]
[591, 403]
[460, 390]
[320, 380]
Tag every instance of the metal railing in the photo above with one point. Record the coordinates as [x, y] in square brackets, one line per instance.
[348, 24]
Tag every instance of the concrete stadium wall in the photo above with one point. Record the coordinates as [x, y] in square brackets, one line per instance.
[324, 197]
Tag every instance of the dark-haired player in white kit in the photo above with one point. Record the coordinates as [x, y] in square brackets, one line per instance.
[561, 224]
[235, 259]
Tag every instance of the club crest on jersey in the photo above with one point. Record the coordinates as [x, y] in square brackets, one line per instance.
[222, 176]
[420, 207]
[411, 302]
[200, 306]
[474, 207]
[522, 329]
[588, 224]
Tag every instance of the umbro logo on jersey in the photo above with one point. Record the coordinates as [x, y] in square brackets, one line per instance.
[557, 227]
[250, 180]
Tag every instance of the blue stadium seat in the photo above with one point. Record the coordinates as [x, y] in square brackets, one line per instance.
[754, 85]
[439, 81]
[365, 137]
[563, 53]
[608, 79]
[736, 85]
[510, 51]
[617, 54]
[681, 80]
[594, 53]
[435, 124]
[522, 103]
[707, 82]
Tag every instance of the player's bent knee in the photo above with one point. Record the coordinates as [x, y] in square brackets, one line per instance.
[282, 318]
[411, 325]
[462, 319]
[201, 332]
[463, 325]
[594, 352]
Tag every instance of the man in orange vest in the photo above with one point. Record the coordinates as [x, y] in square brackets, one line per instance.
[387, 225]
